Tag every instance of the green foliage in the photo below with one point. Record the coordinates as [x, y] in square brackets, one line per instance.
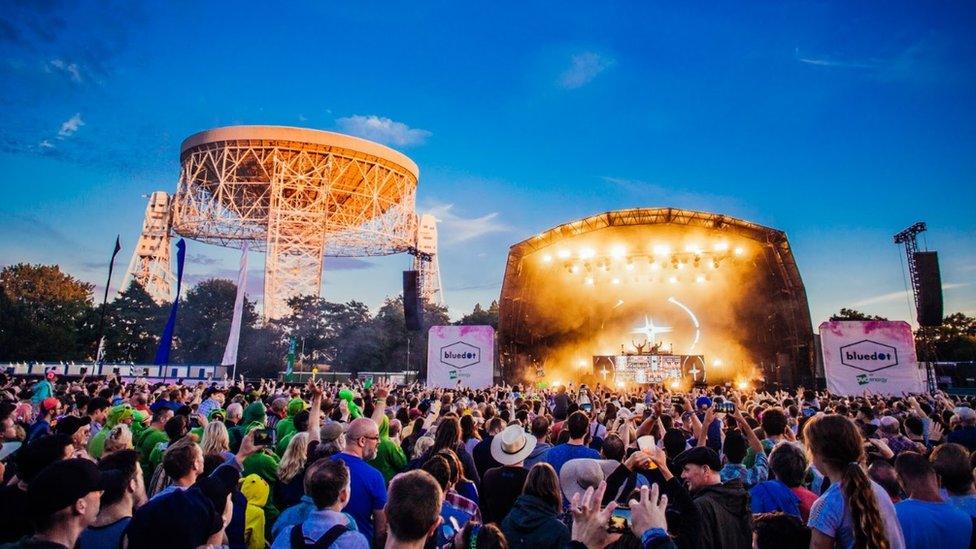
[955, 340]
[43, 312]
[133, 324]
[852, 314]
[481, 317]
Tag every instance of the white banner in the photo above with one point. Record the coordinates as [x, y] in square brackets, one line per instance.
[234, 337]
[460, 355]
[875, 355]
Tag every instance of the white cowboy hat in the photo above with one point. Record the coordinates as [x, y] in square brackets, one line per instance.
[512, 445]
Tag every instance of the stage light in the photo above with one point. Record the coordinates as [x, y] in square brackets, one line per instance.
[589, 281]
[574, 268]
[693, 249]
[681, 265]
[586, 253]
[661, 249]
[720, 246]
[556, 383]
[742, 385]
[547, 258]
[620, 384]
[618, 252]
[630, 266]
[563, 254]
[615, 280]
[673, 280]
[738, 250]
[675, 384]
[582, 363]
[700, 279]
[717, 362]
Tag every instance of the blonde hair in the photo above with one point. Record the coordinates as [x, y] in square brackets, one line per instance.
[423, 444]
[119, 438]
[293, 461]
[215, 439]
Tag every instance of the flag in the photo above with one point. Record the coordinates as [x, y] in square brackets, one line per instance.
[166, 340]
[100, 355]
[291, 356]
[234, 337]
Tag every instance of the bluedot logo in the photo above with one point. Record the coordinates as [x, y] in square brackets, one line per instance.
[868, 356]
[460, 355]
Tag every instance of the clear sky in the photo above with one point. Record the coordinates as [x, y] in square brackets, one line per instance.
[840, 123]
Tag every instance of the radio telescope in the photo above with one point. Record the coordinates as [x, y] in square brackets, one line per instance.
[299, 195]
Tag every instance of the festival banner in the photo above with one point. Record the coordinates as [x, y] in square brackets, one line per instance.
[234, 337]
[166, 340]
[100, 354]
[460, 355]
[873, 355]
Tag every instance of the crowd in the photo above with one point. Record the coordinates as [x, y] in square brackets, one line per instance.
[107, 463]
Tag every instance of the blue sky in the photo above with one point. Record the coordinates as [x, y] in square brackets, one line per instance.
[839, 124]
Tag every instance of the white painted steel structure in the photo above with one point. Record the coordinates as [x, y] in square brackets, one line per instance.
[299, 195]
[150, 264]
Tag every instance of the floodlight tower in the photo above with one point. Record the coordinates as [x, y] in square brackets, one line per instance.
[297, 194]
[150, 264]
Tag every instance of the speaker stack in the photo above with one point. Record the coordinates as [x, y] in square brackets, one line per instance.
[412, 309]
[929, 289]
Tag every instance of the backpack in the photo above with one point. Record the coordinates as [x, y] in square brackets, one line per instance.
[297, 537]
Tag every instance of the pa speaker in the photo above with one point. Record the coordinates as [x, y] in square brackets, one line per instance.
[411, 300]
[929, 289]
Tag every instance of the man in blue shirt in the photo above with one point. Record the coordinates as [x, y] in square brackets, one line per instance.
[926, 520]
[576, 448]
[366, 482]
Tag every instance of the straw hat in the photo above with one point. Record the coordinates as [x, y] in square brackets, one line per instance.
[512, 445]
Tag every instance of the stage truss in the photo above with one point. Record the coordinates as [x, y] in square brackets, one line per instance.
[150, 264]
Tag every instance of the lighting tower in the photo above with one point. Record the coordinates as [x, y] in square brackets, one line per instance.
[908, 237]
[425, 262]
[150, 264]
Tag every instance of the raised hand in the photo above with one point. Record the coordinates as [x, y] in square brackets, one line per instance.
[648, 512]
[589, 521]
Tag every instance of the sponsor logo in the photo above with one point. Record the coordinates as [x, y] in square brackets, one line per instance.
[460, 355]
[862, 379]
[868, 356]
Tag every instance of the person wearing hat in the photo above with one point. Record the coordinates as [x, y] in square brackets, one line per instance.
[77, 429]
[63, 500]
[117, 414]
[48, 411]
[30, 460]
[124, 492]
[501, 486]
[724, 515]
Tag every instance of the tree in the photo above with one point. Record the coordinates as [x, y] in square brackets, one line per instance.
[41, 309]
[204, 321]
[322, 328]
[133, 325]
[481, 317]
[853, 314]
[954, 340]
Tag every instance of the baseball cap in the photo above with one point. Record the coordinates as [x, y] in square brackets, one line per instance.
[331, 431]
[50, 374]
[699, 456]
[61, 484]
[69, 425]
[49, 404]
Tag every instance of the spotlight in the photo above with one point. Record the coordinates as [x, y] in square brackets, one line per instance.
[738, 250]
[556, 383]
[700, 279]
[547, 258]
[661, 249]
[742, 385]
[720, 246]
[630, 266]
[563, 254]
[681, 265]
[581, 363]
[655, 266]
[586, 253]
[618, 252]
[673, 280]
[717, 362]
[675, 384]
[588, 281]
[620, 384]
[693, 249]
[615, 280]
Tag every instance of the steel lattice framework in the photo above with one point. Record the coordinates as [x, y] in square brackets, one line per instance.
[299, 195]
[150, 264]
[517, 331]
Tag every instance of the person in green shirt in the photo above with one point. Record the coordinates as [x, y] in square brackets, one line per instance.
[176, 428]
[390, 458]
[118, 414]
[149, 438]
[287, 425]
[300, 425]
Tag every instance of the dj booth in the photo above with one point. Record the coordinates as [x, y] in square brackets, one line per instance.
[638, 368]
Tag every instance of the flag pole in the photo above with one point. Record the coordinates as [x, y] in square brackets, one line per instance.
[100, 353]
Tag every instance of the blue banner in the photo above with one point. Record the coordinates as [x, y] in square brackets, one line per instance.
[166, 341]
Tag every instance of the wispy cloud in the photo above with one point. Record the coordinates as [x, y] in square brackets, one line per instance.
[453, 228]
[45, 144]
[583, 68]
[895, 296]
[824, 61]
[383, 130]
[345, 264]
[70, 126]
[201, 259]
[71, 70]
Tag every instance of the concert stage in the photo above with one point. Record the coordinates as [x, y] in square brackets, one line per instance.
[672, 289]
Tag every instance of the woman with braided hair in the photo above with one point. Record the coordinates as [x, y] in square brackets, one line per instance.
[854, 512]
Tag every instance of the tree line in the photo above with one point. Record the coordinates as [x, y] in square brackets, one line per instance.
[48, 315]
